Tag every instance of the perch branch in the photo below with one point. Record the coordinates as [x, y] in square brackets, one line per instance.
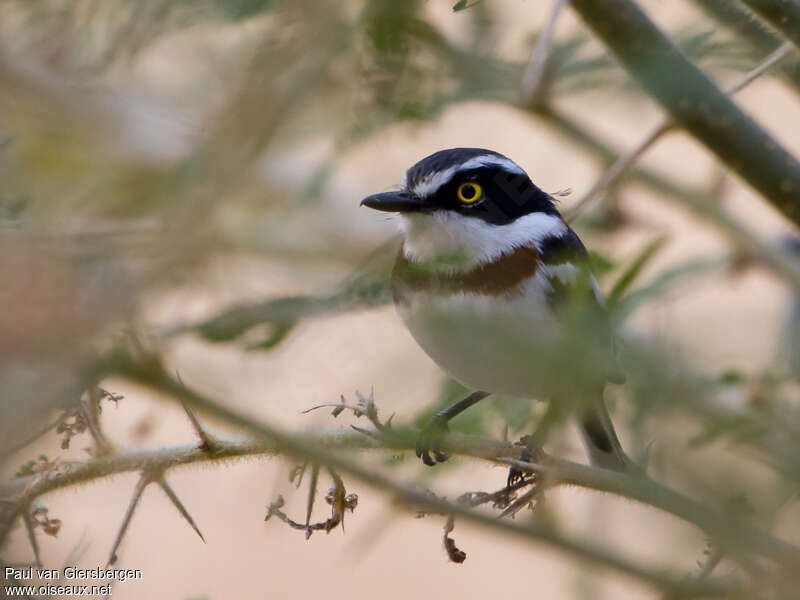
[319, 448]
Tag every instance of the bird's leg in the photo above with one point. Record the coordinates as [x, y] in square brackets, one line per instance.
[431, 434]
[601, 441]
[534, 442]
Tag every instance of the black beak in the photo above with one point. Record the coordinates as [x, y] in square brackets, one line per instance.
[395, 202]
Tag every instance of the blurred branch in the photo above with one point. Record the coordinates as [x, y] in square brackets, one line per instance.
[536, 70]
[694, 102]
[624, 163]
[783, 15]
[706, 208]
[618, 169]
[366, 287]
[698, 202]
[751, 31]
[492, 84]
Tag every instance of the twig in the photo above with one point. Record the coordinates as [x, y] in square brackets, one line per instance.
[337, 497]
[774, 57]
[783, 15]
[626, 161]
[364, 408]
[694, 102]
[535, 70]
[617, 170]
[698, 202]
[453, 552]
[750, 31]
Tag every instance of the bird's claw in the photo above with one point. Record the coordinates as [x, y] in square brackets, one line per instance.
[530, 449]
[428, 442]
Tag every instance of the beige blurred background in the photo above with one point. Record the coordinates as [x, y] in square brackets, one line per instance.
[725, 321]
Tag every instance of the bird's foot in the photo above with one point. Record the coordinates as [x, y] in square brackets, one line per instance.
[531, 451]
[429, 441]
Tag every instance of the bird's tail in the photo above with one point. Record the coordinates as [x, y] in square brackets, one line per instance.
[600, 439]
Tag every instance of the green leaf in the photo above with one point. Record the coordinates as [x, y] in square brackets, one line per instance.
[238, 10]
[25, 470]
[629, 275]
[462, 5]
[600, 264]
[658, 286]
[517, 413]
[732, 377]
[278, 333]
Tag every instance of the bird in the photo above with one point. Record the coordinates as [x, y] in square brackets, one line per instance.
[484, 281]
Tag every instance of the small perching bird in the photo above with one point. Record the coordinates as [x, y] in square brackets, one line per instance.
[486, 280]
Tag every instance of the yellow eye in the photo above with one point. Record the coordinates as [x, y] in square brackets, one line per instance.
[469, 192]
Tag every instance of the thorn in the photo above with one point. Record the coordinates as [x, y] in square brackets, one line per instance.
[29, 526]
[366, 432]
[162, 483]
[207, 441]
[312, 492]
[296, 475]
[145, 479]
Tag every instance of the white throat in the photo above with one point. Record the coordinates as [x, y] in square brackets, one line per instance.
[462, 242]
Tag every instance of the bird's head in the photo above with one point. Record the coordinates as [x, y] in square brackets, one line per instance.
[468, 206]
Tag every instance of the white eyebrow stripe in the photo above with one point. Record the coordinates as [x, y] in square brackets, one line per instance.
[431, 183]
[490, 159]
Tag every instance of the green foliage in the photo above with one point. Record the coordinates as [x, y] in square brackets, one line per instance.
[26, 469]
[630, 273]
[600, 264]
[464, 5]
[243, 9]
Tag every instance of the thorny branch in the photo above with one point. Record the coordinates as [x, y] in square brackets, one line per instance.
[321, 449]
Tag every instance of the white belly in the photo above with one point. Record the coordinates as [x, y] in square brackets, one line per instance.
[489, 343]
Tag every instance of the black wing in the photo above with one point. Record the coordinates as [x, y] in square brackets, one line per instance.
[565, 263]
